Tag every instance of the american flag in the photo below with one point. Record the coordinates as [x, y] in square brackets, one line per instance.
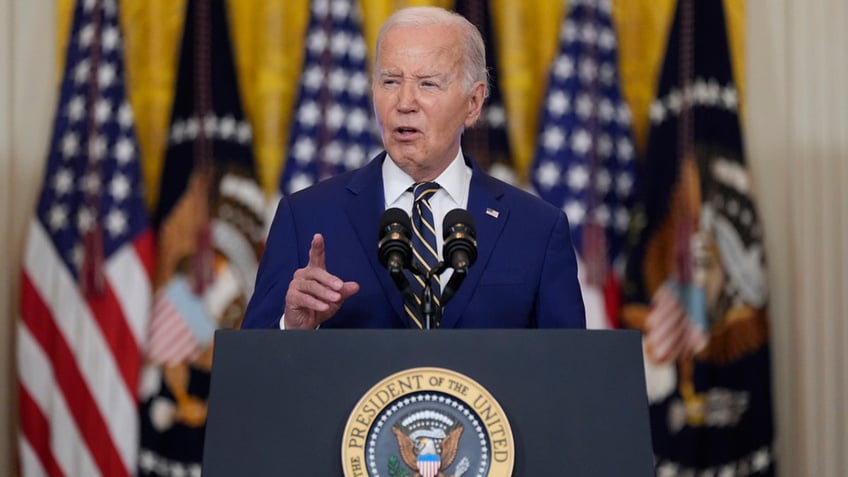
[178, 325]
[85, 291]
[332, 128]
[585, 159]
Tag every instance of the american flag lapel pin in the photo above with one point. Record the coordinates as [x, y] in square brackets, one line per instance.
[494, 213]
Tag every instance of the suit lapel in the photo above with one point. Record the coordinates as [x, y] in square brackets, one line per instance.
[364, 210]
[490, 216]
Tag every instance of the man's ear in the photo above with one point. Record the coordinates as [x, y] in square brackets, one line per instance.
[475, 103]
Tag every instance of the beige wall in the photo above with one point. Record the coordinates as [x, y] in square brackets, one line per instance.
[797, 138]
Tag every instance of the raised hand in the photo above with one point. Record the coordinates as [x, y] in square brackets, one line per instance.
[314, 294]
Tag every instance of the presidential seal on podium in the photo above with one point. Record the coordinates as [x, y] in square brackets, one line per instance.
[427, 422]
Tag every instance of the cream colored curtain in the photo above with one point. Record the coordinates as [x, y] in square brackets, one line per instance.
[27, 100]
[797, 133]
[5, 222]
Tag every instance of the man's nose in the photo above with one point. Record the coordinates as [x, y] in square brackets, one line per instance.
[407, 97]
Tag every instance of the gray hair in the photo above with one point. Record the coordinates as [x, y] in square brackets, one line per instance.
[474, 50]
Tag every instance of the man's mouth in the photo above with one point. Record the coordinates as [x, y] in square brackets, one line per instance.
[404, 131]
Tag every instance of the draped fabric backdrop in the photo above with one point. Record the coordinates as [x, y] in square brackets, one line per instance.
[526, 32]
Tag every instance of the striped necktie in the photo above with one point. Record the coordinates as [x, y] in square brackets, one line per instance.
[424, 251]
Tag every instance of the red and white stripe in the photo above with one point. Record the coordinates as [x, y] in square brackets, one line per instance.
[429, 468]
[79, 360]
[171, 340]
[669, 332]
[600, 301]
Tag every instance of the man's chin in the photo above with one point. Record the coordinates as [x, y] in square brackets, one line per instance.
[405, 155]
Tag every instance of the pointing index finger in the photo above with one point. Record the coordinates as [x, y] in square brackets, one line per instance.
[317, 255]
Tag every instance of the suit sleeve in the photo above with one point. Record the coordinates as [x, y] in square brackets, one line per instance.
[560, 302]
[279, 262]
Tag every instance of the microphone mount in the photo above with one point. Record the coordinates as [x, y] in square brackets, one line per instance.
[430, 310]
[459, 250]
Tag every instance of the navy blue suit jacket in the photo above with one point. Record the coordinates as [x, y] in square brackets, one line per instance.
[525, 274]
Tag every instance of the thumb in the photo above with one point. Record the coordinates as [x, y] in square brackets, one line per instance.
[317, 253]
[349, 289]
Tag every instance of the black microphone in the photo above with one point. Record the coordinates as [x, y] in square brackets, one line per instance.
[460, 246]
[395, 245]
[459, 249]
[395, 248]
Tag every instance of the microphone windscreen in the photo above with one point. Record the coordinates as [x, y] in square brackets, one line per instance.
[455, 217]
[395, 215]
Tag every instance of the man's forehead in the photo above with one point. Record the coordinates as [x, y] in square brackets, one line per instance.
[421, 39]
[420, 62]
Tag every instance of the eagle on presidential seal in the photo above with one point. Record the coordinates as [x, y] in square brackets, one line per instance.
[428, 454]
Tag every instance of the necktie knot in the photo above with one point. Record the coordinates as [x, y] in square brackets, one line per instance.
[424, 190]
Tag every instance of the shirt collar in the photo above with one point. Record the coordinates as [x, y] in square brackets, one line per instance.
[454, 179]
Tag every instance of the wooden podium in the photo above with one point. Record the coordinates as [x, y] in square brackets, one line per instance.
[575, 399]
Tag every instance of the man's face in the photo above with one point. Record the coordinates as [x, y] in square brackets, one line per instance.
[421, 99]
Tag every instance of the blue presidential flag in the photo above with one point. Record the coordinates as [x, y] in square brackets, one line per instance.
[695, 278]
[210, 226]
[488, 142]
